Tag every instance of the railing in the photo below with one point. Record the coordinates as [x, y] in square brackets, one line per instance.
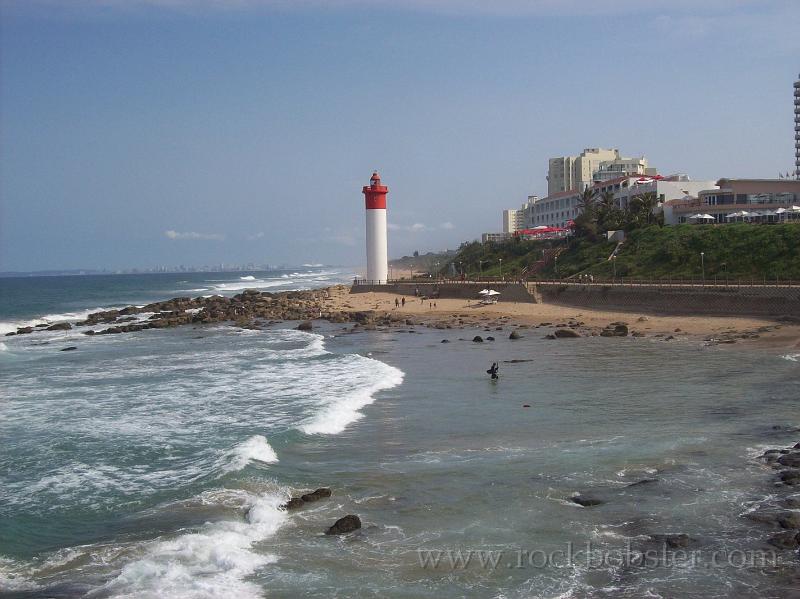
[710, 282]
[666, 282]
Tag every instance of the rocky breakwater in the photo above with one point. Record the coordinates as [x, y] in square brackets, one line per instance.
[249, 309]
[781, 512]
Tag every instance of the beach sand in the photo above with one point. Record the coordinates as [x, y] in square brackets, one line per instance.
[761, 332]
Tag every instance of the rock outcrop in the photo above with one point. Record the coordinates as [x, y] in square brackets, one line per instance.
[344, 525]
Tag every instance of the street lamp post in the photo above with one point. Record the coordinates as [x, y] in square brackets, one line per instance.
[725, 266]
[556, 259]
[614, 263]
[412, 270]
[501, 268]
[460, 269]
[703, 266]
[437, 269]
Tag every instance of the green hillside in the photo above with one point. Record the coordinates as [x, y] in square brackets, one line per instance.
[738, 251]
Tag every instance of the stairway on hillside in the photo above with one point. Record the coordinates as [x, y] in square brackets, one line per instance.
[547, 257]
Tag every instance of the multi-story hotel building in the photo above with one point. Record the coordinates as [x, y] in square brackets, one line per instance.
[797, 128]
[567, 173]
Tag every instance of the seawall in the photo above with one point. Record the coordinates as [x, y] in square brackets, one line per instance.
[758, 300]
[733, 301]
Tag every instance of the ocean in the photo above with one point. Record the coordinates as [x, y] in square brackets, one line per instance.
[153, 464]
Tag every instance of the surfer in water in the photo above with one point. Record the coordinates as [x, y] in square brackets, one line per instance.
[493, 371]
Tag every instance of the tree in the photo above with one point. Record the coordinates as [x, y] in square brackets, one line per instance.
[586, 201]
[642, 207]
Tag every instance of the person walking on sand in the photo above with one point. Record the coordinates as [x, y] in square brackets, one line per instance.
[403, 301]
[396, 303]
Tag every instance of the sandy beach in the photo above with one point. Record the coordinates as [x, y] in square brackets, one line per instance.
[760, 332]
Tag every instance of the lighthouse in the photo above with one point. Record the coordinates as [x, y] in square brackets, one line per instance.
[377, 254]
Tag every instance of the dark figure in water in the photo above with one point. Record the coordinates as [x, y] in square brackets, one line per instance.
[493, 371]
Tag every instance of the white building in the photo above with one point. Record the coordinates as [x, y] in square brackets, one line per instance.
[557, 209]
[566, 173]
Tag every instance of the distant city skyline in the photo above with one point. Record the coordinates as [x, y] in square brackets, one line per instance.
[150, 132]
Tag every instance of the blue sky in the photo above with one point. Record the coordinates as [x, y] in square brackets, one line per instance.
[150, 132]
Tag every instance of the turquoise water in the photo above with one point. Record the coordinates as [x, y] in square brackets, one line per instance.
[152, 464]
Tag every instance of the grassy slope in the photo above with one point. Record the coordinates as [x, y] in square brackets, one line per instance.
[744, 251]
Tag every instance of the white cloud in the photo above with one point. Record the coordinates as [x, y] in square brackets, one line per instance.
[259, 235]
[415, 228]
[193, 235]
[420, 227]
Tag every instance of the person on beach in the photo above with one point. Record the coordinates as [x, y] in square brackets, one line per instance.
[493, 371]
[403, 301]
[396, 303]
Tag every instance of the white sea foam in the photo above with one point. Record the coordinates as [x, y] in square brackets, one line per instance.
[8, 326]
[247, 278]
[13, 576]
[3, 346]
[791, 357]
[213, 562]
[256, 448]
[344, 410]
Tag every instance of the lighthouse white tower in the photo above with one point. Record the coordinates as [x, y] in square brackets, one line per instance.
[377, 253]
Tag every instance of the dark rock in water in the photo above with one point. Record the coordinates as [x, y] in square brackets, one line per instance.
[59, 326]
[550, 336]
[791, 460]
[344, 525]
[90, 332]
[586, 501]
[293, 503]
[316, 495]
[764, 517]
[790, 477]
[644, 481]
[305, 326]
[516, 361]
[514, 335]
[790, 520]
[477, 339]
[792, 502]
[445, 341]
[24, 330]
[785, 540]
[673, 541]
[566, 333]
[70, 348]
[490, 339]
[615, 329]
[525, 405]
[11, 334]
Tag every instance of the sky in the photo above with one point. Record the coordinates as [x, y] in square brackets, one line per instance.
[140, 133]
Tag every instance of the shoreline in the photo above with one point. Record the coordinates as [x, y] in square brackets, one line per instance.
[254, 309]
[755, 331]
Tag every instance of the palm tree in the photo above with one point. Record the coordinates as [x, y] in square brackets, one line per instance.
[607, 200]
[642, 207]
[586, 201]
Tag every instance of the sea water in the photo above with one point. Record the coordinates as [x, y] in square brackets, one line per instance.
[153, 464]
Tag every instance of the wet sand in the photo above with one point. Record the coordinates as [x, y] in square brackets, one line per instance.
[760, 332]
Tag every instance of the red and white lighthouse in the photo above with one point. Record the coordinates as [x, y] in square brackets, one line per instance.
[377, 253]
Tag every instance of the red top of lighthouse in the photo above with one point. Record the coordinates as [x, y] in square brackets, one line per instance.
[375, 193]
